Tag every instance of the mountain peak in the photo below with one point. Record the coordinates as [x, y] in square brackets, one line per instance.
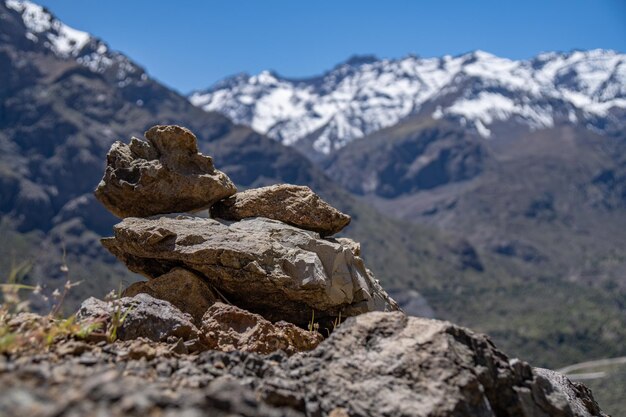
[357, 60]
[477, 89]
[265, 77]
[42, 26]
[43, 30]
[480, 54]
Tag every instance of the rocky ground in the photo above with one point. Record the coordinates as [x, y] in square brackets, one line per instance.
[376, 364]
[233, 317]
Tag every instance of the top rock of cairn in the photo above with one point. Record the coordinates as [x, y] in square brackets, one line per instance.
[165, 174]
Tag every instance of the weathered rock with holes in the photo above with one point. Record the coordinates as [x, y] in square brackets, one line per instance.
[165, 174]
[228, 328]
[292, 204]
[143, 316]
[389, 364]
[187, 291]
[262, 265]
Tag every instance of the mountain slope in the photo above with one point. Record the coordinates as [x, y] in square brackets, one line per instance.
[479, 91]
[59, 115]
[58, 118]
[546, 209]
[565, 181]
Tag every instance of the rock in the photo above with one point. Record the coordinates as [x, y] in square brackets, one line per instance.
[72, 347]
[354, 246]
[25, 321]
[227, 328]
[185, 290]
[165, 174]
[558, 393]
[261, 265]
[136, 379]
[292, 204]
[375, 364]
[228, 397]
[389, 364]
[143, 316]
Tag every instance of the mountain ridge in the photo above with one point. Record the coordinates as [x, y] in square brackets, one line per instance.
[58, 118]
[476, 89]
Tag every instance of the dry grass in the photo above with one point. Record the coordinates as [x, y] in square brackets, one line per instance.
[23, 331]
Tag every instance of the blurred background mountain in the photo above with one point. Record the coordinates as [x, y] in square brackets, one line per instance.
[486, 191]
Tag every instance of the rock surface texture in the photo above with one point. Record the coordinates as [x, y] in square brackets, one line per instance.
[388, 364]
[229, 328]
[187, 291]
[375, 364]
[261, 265]
[165, 174]
[292, 204]
[141, 316]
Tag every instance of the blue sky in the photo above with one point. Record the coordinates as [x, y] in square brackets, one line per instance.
[192, 44]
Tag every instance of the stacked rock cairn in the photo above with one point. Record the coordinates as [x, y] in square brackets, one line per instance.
[261, 273]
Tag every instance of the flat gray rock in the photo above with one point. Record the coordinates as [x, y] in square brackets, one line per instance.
[261, 265]
[144, 316]
[292, 204]
[165, 174]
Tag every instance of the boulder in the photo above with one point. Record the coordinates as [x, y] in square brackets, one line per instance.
[390, 364]
[228, 328]
[187, 291]
[562, 396]
[376, 364]
[143, 316]
[165, 174]
[292, 204]
[261, 265]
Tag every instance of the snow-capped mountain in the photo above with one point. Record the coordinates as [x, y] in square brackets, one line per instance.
[477, 89]
[45, 31]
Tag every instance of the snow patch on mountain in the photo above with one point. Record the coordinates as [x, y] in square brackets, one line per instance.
[478, 89]
[63, 40]
[70, 43]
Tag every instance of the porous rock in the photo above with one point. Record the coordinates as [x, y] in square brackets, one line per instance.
[228, 328]
[143, 316]
[390, 364]
[187, 291]
[261, 265]
[292, 204]
[165, 174]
